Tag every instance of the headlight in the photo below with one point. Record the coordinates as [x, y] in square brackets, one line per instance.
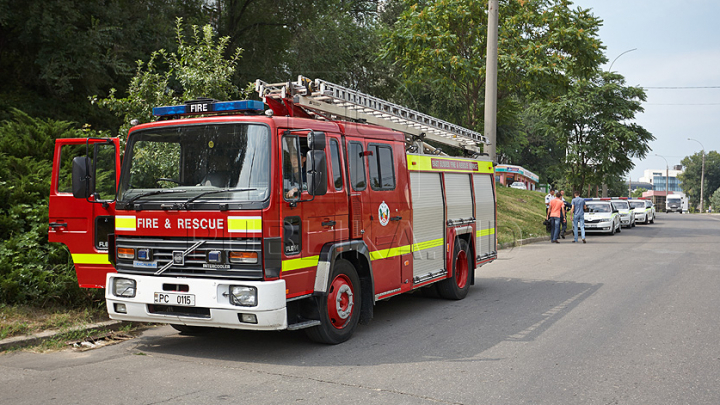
[124, 287]
[243, 295]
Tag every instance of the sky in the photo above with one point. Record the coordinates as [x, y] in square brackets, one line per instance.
[677, 44]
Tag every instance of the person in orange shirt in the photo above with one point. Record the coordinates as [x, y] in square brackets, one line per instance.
[554, 215]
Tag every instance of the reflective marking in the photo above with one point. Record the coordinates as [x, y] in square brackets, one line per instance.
[90, 258]
[485, 232]
[125, 223]
[245, 224]
[301, 263]
[424, 163]
[401, 250]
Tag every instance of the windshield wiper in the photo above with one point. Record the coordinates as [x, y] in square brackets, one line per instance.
[149, 193]
[224, 190]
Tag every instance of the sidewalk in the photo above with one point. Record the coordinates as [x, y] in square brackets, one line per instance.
[16, 342]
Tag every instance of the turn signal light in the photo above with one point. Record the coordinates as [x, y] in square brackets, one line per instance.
[243, 257]
[125, 253]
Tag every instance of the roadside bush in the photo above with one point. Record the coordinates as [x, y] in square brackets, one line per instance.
[33, 271]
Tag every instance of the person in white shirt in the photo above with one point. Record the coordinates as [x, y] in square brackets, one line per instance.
[549, 198]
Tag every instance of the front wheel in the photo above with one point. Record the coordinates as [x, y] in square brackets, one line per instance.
[652, 220]
[457, 286]
[340, 310]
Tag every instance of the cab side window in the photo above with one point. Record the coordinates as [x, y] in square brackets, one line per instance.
[291, 167]
[382, 171]
[335, 157]
[356, 163]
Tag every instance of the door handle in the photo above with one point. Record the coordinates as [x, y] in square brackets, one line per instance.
[397, 218]
[328, 223]
[58, 224]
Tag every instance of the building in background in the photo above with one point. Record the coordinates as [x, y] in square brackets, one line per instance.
[656, 177]
[509, 174]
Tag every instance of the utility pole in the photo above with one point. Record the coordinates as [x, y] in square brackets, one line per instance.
[491, 79]
[702, 175]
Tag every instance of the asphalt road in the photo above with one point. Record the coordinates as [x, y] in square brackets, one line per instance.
[624, 319]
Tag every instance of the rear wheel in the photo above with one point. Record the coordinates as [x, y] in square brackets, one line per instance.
[457, 286]
[340, 310]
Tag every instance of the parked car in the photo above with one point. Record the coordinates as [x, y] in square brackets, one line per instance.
[644, 211]
[518, 185]
[601, 216]
[627, 213]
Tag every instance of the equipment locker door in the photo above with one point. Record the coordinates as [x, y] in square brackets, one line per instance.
[82, 225]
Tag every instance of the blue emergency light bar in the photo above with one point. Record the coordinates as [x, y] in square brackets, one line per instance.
[209, 107]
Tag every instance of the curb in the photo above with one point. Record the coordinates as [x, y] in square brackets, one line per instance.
[23, 341]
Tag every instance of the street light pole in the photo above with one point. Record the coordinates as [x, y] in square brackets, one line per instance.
[702, 174]
[616, 58]
[667, 173]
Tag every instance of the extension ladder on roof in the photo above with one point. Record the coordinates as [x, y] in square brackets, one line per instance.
[331, 101]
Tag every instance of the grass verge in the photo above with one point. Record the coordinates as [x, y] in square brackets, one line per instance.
[520, 214]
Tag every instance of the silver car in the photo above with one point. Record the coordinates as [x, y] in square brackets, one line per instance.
[601, 216]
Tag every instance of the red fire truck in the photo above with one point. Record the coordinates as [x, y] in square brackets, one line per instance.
[301, 216]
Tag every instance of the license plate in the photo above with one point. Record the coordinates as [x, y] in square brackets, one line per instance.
[589, 226]
[185, 300]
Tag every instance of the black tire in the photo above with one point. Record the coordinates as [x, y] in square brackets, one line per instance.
[457, 286]
[339, 320]
[652, 220]
[192, 330]
[619, 228]
[633, 223]
[647, 219]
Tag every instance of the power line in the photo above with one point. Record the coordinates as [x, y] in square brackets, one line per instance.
[681, 87]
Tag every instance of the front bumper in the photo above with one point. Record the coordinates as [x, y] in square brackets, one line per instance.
[640, 217]
[599, 227]
[212, 305]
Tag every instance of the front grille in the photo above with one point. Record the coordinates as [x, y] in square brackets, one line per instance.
[195, 312]
[195, 263]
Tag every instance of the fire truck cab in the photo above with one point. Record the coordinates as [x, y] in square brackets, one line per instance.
[246, 220]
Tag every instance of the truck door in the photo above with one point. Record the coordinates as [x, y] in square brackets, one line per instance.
[308, 221]
[83, 226]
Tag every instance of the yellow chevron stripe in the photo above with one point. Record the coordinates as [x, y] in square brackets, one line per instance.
[90, 258]
[300, 263]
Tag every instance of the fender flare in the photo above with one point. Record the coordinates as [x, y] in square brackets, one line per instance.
[329, 254]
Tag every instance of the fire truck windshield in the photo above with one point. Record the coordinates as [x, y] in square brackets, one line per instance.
[208, 163]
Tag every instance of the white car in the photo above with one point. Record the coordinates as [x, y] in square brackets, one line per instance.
[518, 185]
[601, 216]
[627, 214]
[644, 211]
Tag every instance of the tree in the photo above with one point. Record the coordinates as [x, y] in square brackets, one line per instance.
[53, 55]
[440, 48]
[197, 69]
[638, 192]
[715, 200]
[594, 121]
[691, 176]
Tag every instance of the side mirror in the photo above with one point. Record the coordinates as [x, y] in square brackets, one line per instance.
[80, 178]
[316, 141]
[316, 171]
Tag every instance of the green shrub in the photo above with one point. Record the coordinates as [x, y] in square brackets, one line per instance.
[33, 271]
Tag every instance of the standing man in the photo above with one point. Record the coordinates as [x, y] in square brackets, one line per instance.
[549, 198]
[566, 208]
[554, 215]
[578, 209]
